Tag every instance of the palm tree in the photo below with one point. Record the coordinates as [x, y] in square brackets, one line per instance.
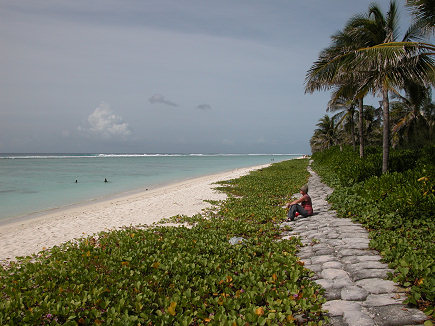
[377, 62]
[424, 13]
[346, 116]
[346, 85]
[413, 116]
[326, 135]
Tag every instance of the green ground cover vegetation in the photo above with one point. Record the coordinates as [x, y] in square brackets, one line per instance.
[397, 208]
[186, 275]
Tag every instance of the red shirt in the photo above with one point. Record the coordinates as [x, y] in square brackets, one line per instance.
[306, 204]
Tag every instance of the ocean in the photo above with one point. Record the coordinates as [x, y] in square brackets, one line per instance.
[36, 183]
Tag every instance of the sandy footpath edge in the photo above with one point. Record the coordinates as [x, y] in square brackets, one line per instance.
[185, 198]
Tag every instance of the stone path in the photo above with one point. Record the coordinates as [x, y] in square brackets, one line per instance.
[336, 249]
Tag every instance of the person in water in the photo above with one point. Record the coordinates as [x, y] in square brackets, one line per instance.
[305, 208]
[105, 180]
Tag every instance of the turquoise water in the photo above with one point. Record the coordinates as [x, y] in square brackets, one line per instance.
[31, 183]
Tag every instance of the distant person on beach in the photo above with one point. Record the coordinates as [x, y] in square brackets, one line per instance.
[305, 208]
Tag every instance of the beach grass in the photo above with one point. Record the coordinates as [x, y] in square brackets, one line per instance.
[185, 275]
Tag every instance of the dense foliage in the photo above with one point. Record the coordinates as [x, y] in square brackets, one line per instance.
[397, 208]
[186, 275]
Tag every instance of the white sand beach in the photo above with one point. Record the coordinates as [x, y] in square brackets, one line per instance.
[186, 198]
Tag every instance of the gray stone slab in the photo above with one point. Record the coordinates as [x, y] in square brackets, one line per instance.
[317, 268]
[325, 251]
[352, 229]
[337, 321]
[344, 222]
[306, 254]
[358, 259]
[333, 294]
[384, 299]
[395, 315]
[337, 307]
[306, 261]
[355, 245]
[370, 264]
[334, 243]
[368, 273]
[333, 273]
[322, 259]
[357, 318]
[377, 285]
[343, 252]
[326, 284]
[355, 235]
[353, 293]
[341, 282]
[333, 264]
[333, 235]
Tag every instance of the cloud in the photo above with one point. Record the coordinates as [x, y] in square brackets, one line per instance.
[204, 107]
[157, 98]
[103, 123]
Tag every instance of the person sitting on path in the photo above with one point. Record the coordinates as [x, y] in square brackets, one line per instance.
[305, 208]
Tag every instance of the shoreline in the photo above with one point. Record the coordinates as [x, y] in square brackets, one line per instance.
[33, 233]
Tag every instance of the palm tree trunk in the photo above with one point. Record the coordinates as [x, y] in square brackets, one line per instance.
[352, 128]
[361, 127]
[386, 129]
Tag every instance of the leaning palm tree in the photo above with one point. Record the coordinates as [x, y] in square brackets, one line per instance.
[377, 61]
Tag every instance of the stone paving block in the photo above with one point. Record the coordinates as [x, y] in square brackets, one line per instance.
[337, 321]
[396, 315]
[368, 273]
[355, 235]
[353, 293]
[355, 245]
[370, 264]
[384, 299]
[317, 268]
[333, 294]
[326, 284]
[378, 286]
[333, 273]
[305, 254]
[344, 222]
[306, 261]
[341, 282]
[357, 318]
[333, 264]
[334, 242]
[358, 259]
[333, 236]
[355, 240]
[355, 252]
[337, 307]
[352, 229]
[325, 251]
[322, 259]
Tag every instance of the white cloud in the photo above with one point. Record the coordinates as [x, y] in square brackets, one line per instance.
[105, 124]
[158, 98]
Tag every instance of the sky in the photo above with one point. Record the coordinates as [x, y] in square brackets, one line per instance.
[164, 76]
